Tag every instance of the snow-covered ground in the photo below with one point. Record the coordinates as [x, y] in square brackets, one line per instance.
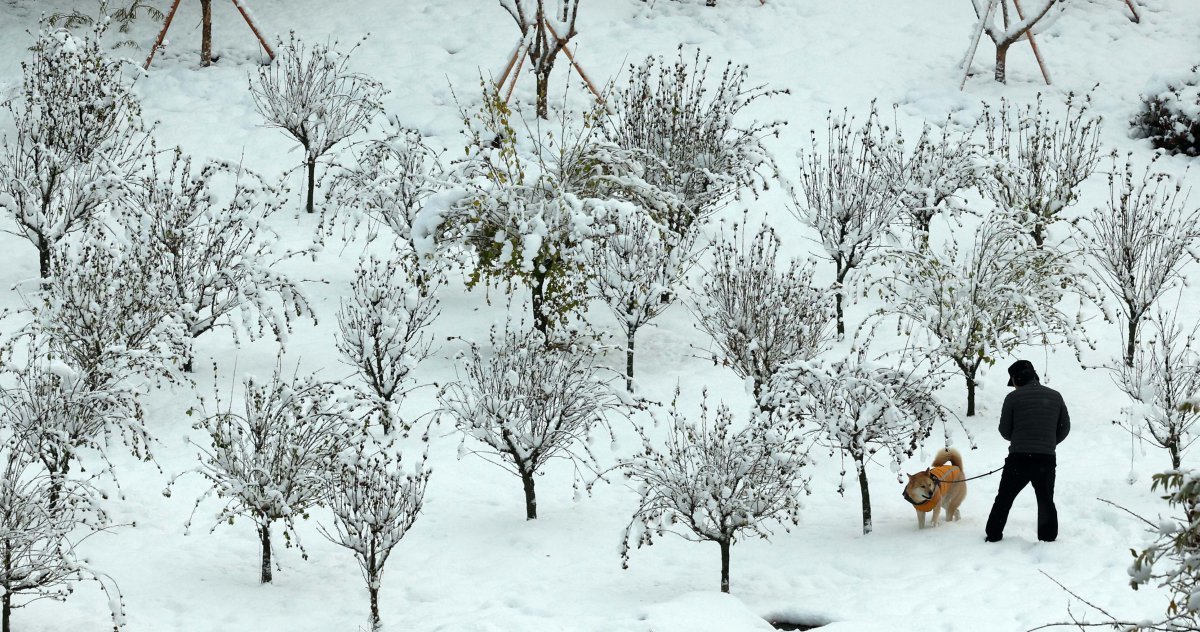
[472, 562]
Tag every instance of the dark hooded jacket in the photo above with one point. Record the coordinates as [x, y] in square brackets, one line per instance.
[1034, 419]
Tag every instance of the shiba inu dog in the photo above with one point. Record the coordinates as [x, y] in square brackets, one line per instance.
[942, 486]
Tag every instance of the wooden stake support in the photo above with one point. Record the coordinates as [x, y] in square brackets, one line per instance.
[517, 60]
[162, 35]
[1137, 17]
[987, 18]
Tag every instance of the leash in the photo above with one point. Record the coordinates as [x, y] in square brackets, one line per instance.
[967, 479]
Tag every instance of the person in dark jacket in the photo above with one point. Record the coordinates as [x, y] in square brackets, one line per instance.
[1034, 420]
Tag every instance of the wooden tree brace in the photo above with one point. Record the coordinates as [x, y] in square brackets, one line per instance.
[162, 34]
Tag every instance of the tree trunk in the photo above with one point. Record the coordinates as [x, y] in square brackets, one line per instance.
[373, 588]
[724, 565]
[971, 394]
[56, 484]
[5, 625]
[629, 360]
[1001, 56]
[264, 536]
[312, 183]
[841, 322]
[866, 495]
[543, 86]
[1173, 448]
[541, 321]
[205, 33]
[1131, 341]
[530, 496]
[43, 257]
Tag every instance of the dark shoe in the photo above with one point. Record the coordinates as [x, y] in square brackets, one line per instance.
[991, 539]
[1045, 540]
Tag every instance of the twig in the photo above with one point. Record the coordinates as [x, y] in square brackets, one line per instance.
[1152, 525]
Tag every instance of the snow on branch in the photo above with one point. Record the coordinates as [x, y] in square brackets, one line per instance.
[374, 503]
[310, 93]
[528, 403]
[715, 479]
[272, 460]
[759, 316]
[383, 331]
[1141, 240]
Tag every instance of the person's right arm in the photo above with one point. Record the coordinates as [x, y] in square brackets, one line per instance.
[1006, 419]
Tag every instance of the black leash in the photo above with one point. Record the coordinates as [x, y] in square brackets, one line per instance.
[973, 477]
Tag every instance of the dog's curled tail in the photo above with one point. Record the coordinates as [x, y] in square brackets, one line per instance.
[948, 455]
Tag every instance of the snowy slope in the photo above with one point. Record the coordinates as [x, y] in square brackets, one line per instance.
[472, 563]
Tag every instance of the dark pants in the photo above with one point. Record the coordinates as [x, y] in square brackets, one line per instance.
[1021, 469]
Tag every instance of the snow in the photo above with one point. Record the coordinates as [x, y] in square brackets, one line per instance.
[471, 563]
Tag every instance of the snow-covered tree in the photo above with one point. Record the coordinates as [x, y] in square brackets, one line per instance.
[526, 199]
[528, 403]
[1038, 159]
[42, 521]
[716, 480]
[1163, 377]
[77, 138]
[383, 330]
[543, 36]
[859, 408]
[56, 415]
[637, 266]
[849, 197]
[387, 183]
[310, 93]
[1005, 30]
[934, 174]
[759, 315]
[217, 251]
[971, 306]
[1141, 241]
[272, 461]
[683, 128]
[1172, 560]
[107, 311]
[374, 503]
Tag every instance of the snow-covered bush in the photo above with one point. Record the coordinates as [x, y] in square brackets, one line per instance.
[78, 137]
[310, 93]
[859, 408]
[528, 403]
[217, 251]
[715, 479]
[42, 521]
[1171, 561]
[387, 183]
[759, 316]
[682, 126]
[383, 330]
[1170, 115]
[849, 196]
[932, 176]
[637, 266]
[1141, 241]
[1038, 159]
[973, 305]
[374, 503]
[540, 44]
[1164, 375]
[108, 313]
[272, 462]
[53, 413]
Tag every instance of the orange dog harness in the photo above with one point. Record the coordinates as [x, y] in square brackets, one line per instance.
[943, 476]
